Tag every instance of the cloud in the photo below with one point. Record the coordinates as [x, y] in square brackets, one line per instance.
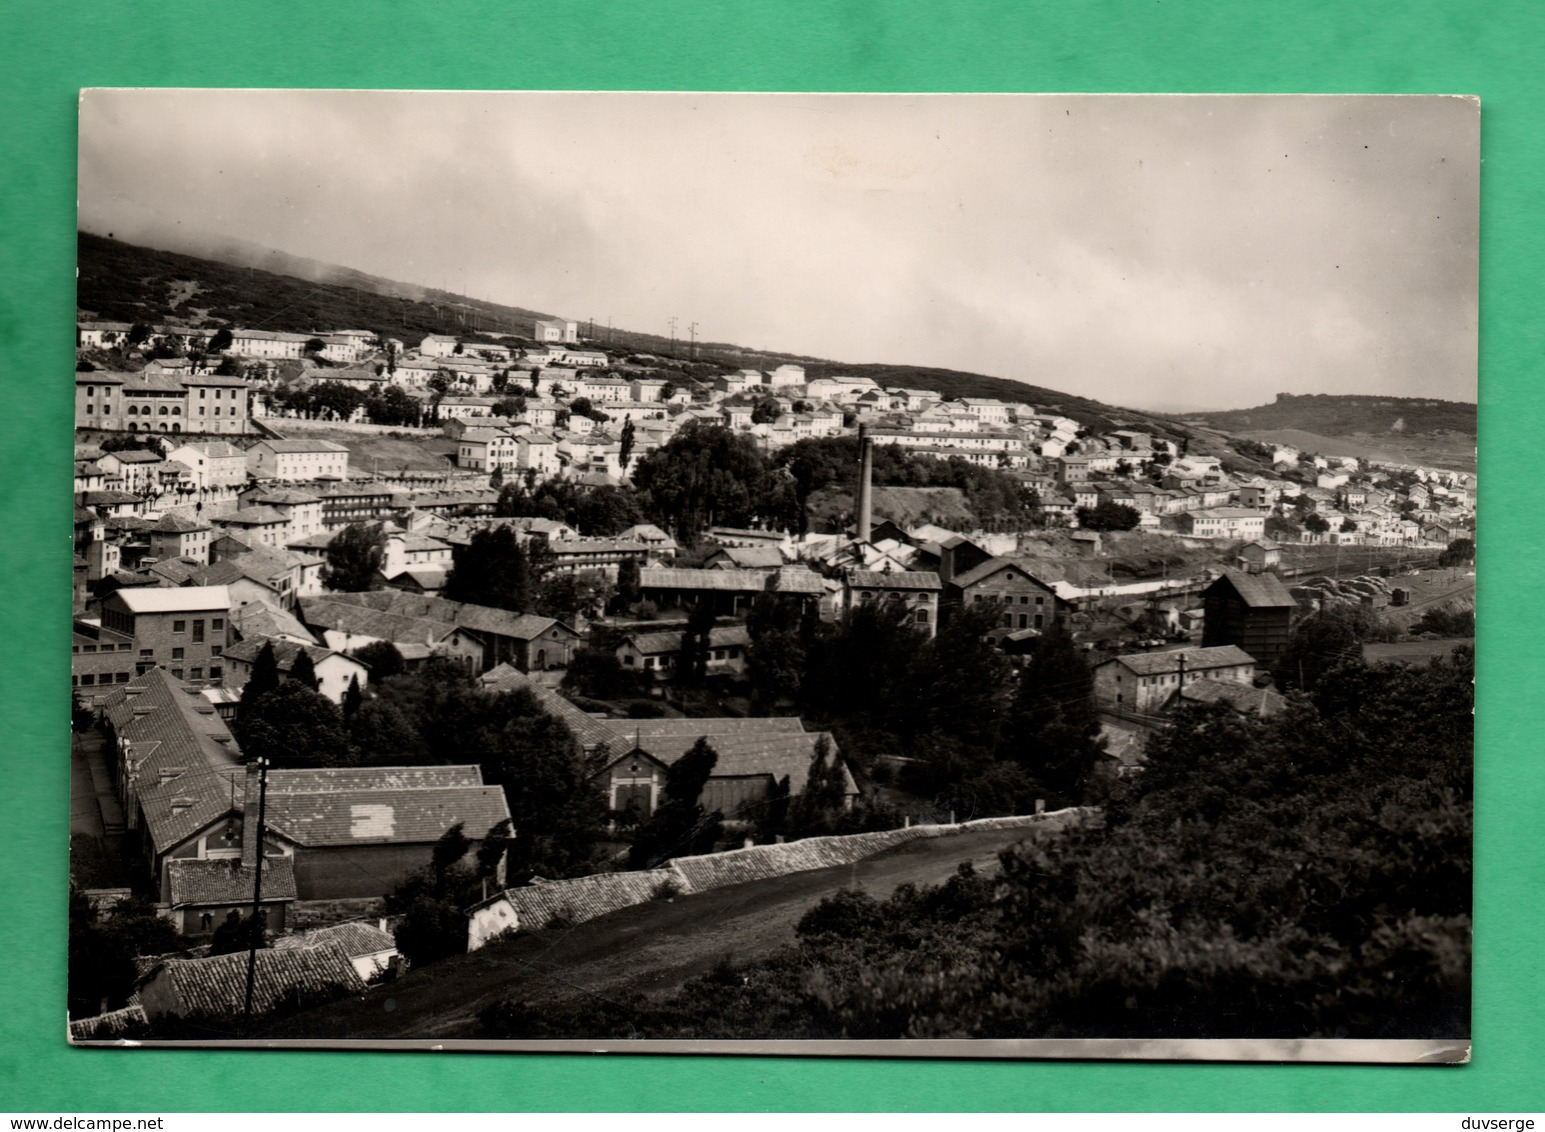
[1207, 250]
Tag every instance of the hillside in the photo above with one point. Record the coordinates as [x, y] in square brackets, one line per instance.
[129, 283]
[1348, 415]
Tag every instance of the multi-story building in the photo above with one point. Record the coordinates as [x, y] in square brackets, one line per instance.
[181, 629]
[555, 330]
[298, 460]
[919, 590]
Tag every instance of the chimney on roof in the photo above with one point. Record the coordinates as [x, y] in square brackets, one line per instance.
[249, 819]
[865, 486]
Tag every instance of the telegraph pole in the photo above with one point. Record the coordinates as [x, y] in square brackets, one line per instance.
[693, 329]
[672, 321]
[257, 897]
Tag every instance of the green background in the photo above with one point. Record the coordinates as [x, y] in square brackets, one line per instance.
[1447, 46]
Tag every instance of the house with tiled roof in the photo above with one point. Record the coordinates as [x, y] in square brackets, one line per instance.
[173, 536]
[334, 671]
[755, 757]
[370, 948]
[298, 460]
[203, 893]
[1147, 682]
[216, 987]
[591, 733]
[921, 591]
[357, 832]
[1023, 600]
[115, 1026]
[657, 654]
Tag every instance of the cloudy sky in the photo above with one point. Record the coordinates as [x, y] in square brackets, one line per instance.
[1161, 252]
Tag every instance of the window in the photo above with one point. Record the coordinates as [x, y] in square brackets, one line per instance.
[217, 623]
[89, 409]
[198, 674]
[216, 650]
[922, 617]
[88, 679]
[215, 672]
[146, 653]
[121, 678]
[177, 674]
[179, 626]
[88, 648]
[198, 631]
[176, 654]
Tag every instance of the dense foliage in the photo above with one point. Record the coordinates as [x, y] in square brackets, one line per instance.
[1303, 876]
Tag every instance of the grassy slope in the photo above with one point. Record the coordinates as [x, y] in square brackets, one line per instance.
[1349, 415]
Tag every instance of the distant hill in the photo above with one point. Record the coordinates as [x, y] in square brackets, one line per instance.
[251, 286]
[1348, 415]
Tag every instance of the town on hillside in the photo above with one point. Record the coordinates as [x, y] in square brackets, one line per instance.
[629, 624]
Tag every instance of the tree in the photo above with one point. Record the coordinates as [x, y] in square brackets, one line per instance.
[708, 475]
[237, 933]
[625, 445]
[1282, 529]
[510, 408]
[679, 827]
[629, 580]
[138, 333]
[453, 845]
[382, 657]
[292, 726]
[103, 947]
[264, 679]
[491, 851]
[1323, 640]
[1316, 524]
[1348, 526]
[766, 411]
[353, 700]
[303, 672]
[1460, 552]
[571, 596]
[536, 380]
[816, 811]
[222, 340]
[354, 558]
[1108, 516]
[315, 346]
[496, 478]
[1053, 731]
[493, 570]
[692, 668]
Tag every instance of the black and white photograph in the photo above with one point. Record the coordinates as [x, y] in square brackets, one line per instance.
[853, 574]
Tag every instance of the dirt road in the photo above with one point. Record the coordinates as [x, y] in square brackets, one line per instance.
[652, 948]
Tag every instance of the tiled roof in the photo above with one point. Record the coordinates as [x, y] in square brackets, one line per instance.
[315, 812]
[176, 524]
[669, 642]
[583, 898]
[253, 517]
[285, 652]
[733, 581]
[284, 446]
[113, 1024]
[1260, 591]
[175, 570]
[990, 567]
[589, 731]
[1244, 698]
[354, 939]
[226, 881]
[372, 778]
[772, 746]
[284, 497]
[217, 986]
[184, 756]
[1196, 660]
[900, 580]
[752, 557]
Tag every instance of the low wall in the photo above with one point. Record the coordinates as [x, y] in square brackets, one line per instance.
[586, 898]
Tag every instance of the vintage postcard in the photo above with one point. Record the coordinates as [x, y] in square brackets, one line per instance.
[880, 575]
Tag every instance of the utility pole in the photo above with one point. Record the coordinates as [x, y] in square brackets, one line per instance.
[672, 321]
[257, 897]
[693, 329]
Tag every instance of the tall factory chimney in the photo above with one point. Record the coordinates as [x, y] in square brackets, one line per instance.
[865, 486]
